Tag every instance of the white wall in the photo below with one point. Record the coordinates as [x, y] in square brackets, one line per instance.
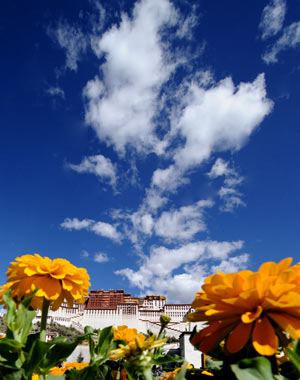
[189, 352]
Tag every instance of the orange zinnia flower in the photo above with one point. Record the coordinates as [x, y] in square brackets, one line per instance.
[136, 344]
[258, 305]
[57, 280]
[127, 334]
[58, 371]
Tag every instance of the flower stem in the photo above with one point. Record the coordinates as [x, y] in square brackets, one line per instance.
[45, 309]
[147, 374]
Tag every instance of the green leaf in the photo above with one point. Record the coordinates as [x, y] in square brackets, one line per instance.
[297, 346]
[106, 373]
[147, 374]
[35, 356]
[18, 375]
[91, 347]
[131, 374]
[54, 377]
[27, 301]
[58, 352]
[213, 364]
[11, 309]
[18, 321]
[294, 358]
[105, 337]
[9, 344]
[253, 369]
[167, 359]
[88, 330]
[26, 318]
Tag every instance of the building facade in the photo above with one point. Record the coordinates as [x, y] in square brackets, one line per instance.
[115, 307]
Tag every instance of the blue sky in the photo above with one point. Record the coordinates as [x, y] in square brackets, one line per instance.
[152, 142]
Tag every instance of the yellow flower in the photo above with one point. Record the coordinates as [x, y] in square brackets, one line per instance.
[127, 334]
[136, 348]
[57, 280]
[258, 305]
[172, 374]
[57, 371]
[35, 377]
[207, 373]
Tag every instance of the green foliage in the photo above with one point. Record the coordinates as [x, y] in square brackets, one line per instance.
[253, 369]
[22, 353]
[292, 368]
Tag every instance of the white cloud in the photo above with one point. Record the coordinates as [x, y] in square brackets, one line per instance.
[124, 105]
[106, 230]
[98, 165]
[101, 257]
[228, 193]
[136, 105]
[100, 228]
[84, 254]
[156, 274]
[232, 199]
[233, 181]
[272, 18]
[177, 224]
[56, 91]
[220, 118]
[186, 26]
[142, 222]
[154, 200]
[72, 40]
[121, 107]
[76, 224]
[216, 119]
[169, 179]
[183, 223]
[290, 39]
[220, 168]
[232, 264]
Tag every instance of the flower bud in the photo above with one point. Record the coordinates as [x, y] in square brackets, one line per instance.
[164, 320]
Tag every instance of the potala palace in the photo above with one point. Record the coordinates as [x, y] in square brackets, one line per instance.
[115, 307]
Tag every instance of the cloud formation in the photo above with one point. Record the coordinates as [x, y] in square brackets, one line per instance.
[138, 106]
[290, 39]
[228, 193]
[99, 165]
[183, 223]
[100, 257]
[72, 40]
[216, 119]
[159, 271]
[99, 228]
[272, 18]
[76, 224]
[121, 107]
[56, 91]
[84, 254]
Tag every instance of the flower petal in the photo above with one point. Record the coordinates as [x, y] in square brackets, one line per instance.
[251, 316]
[287, 323]
[238, 337]
[264, 339]
[211, 341]
[48, 287]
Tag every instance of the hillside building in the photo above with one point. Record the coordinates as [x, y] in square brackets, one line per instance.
[115, 307]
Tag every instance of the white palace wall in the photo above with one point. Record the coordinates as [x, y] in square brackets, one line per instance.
[144, 316]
